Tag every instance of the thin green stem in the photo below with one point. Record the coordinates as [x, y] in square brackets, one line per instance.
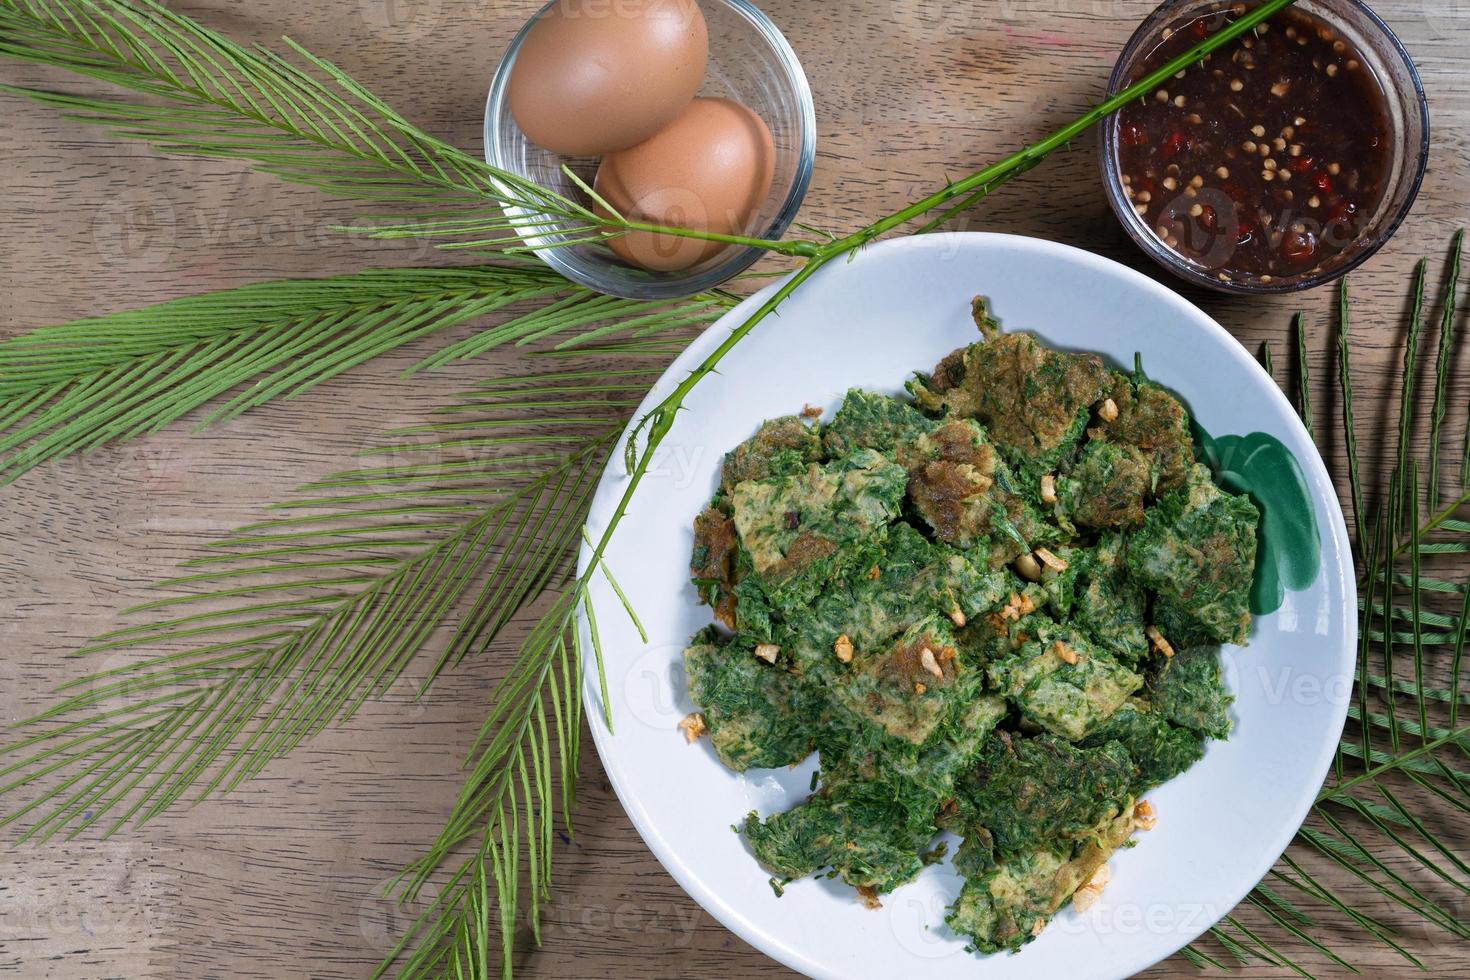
[661, 418]
[1400, 761]
[1035, 152]
[978, 184]
[1442, 365]
[1433, 524]
[1349, 425]
[795, 247]
[1304, 375]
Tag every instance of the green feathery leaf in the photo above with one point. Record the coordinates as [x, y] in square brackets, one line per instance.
[300, 118]
[1304, 374]
[520, 776]
[1442, 365]
[218, 98]
[1405, 733]
[73, 387]
[295, 621]
[1397, 513]
[1349, 424]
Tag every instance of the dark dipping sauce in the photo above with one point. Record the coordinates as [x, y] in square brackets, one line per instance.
[1265, 161]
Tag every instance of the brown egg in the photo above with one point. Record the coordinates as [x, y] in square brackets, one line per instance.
[708, 170]
[594, 76]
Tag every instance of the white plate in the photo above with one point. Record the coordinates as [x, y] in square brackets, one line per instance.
[897, 307]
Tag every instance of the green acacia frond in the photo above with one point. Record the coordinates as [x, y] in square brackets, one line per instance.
[1405, 734]
[1452, 737]
[1397, 763]
[1200, 959]
[1304, 374]
[1417, 612]
[1292, 920]
[1456, 662]
[298, 620]
[1246, 946]
[1442, 366]
[72, 387]
[522, 774]
[1444, 694]
[1398, 488]
[208, 95]
[1349, 424]
[591, 318]
[300, 118]
[1308, 885]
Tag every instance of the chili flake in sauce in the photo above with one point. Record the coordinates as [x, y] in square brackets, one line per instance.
[1265, 160]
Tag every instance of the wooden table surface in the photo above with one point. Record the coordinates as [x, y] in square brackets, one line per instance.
[281, 878]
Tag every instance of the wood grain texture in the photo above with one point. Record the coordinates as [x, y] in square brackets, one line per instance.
[281, 878]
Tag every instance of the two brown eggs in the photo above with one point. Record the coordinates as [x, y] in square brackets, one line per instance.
[617, 79]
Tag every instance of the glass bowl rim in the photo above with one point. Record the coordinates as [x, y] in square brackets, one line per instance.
[669, 286]
[1175, 263]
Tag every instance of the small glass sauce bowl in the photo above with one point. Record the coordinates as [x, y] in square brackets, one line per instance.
[751, 62]
[1408, 136]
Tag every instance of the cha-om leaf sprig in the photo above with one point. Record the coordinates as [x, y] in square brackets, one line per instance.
[1405, 733]
[74, 387]
[288, 625]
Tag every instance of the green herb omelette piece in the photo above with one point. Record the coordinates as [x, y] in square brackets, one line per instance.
[910, 686]
[757, 714]
[1107, 605]
[781, 447]
[976, 853]
[873, 421]
[856, 604]
[1066, 698]
[957, 483]
[1107, 487]
[874, 835]
[883, 591]
[787, 522]
[1187, 689]
[969, 496]
[1034, 401]
[1153, 421]
[955, 583]
[916, 574]
[1160, 751]
[1008, 905]
[1004, 907]
[928, 773]
[875, 817]
[1061, 587]
[713, 562]
[764, 605]
[1028, 791]
[1197, 550]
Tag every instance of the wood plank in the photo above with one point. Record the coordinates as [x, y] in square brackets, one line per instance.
[280, 878]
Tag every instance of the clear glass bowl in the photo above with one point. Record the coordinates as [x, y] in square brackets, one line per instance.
[1408, 114]
[751, 62]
